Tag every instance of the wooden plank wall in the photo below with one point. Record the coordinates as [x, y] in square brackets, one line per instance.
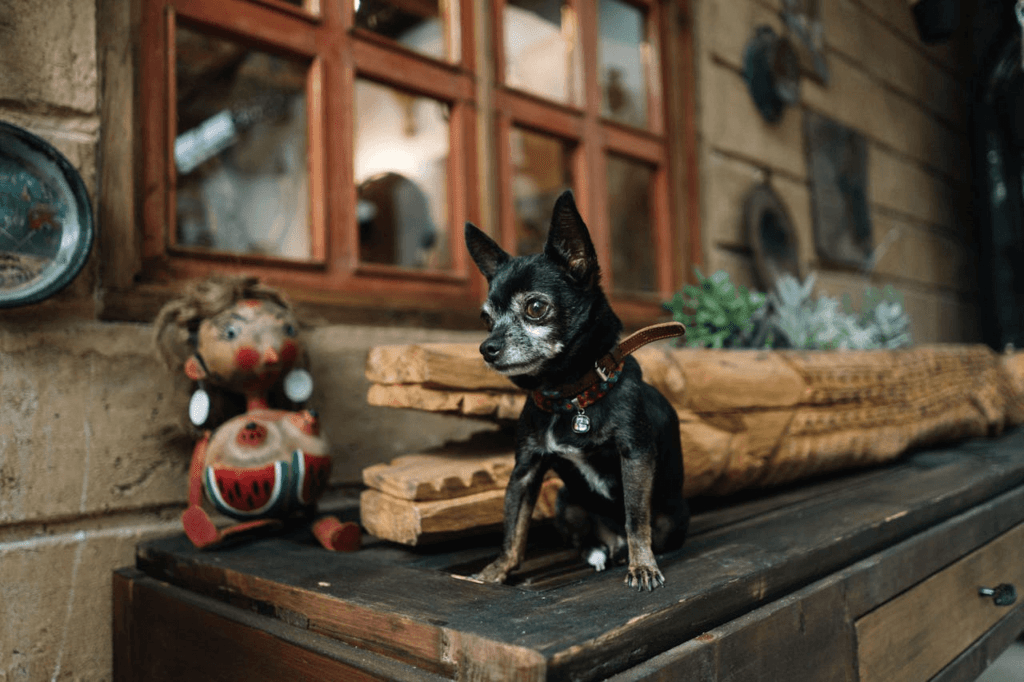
[910, 103]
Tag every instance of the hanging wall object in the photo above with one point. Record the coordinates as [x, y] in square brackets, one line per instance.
[837, 161]
[46, 226]
[803, 19]
[770, 231]
[772, 71]
[936, 20]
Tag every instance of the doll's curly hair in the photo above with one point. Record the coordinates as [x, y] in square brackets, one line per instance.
[178, 321]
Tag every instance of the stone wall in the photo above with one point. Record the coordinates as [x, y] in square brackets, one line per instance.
[907, 99]
[91, 456]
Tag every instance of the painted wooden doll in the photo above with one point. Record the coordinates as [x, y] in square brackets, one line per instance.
[236, 337]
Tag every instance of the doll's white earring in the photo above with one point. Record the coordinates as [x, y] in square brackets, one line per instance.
[298, 385]
[199, 406]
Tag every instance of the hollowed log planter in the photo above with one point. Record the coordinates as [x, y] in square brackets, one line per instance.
[747, 419]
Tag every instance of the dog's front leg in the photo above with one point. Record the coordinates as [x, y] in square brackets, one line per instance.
[520, 499]
[637, 483]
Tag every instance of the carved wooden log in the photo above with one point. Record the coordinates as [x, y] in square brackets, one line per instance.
[757, 417]
[749, 418]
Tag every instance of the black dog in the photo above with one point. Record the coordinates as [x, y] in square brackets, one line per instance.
[611, 438]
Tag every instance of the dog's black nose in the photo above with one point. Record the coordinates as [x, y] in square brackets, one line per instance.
[491, 349]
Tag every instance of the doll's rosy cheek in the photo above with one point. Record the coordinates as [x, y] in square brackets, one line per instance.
[247, 357]
[289, 351]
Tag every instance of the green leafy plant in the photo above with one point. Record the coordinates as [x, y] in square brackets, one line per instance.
[721, 315]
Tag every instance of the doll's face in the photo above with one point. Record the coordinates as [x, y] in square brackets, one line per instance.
[246, 347]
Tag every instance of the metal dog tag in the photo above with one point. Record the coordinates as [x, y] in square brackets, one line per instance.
[580, 422]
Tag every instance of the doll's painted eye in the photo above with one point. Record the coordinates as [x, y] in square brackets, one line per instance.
[290, 330]
[536, 309]
[231, 332]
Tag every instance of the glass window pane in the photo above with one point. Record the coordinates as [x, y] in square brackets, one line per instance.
[630, 185]
[623, 53]
[240, 149]
[401, 171]
[542, 55]
[541, 170]
[416, 24]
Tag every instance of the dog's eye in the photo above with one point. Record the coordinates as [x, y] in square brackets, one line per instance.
[487, 320]
[536, 308]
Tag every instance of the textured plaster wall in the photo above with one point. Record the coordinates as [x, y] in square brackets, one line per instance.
[910, 103]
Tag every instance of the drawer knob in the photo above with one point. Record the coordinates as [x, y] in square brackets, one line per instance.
[1002, 595]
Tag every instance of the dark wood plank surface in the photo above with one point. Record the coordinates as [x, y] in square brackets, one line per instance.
[786, 638]
[562, 621]
[184, 636]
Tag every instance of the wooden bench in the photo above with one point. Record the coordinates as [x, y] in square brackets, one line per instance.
[869, 576]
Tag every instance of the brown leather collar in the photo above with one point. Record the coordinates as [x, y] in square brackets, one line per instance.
[604, 367]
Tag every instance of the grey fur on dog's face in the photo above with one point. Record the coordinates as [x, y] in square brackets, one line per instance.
[525, 331]
[541, 307]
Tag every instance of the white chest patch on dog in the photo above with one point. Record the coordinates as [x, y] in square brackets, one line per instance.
[576, 457]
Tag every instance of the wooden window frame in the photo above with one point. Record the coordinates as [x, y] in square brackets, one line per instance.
[136, 278]
[594, 137]
[338, 54]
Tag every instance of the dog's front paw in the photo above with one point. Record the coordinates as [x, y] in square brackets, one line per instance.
[495, 572]
[644, 577]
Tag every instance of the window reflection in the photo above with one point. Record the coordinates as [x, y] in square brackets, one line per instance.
[240, 149]
[542, 54]
[630, 188]
[416, 24]
[401, 171]
[623, 54]
[541, 171]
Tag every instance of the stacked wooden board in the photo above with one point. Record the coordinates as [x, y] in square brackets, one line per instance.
[423, 498]
[747, 419]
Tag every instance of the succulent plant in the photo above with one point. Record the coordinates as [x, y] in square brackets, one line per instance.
[802, 322]
[883, 311]
[722, 314]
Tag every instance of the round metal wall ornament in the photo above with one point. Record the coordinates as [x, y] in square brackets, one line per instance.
[46, 224]
[771, 68]
[773, 238]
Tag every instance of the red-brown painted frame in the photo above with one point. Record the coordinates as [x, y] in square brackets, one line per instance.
[336, 55]
[322, 32]
[595, 137]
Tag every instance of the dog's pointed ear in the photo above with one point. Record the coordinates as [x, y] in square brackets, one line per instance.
[486, 253]
[569, 242]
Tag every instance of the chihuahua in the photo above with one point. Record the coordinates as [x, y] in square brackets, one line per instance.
[612, 438]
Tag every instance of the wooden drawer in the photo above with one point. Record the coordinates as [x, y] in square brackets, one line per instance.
[900, 640]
